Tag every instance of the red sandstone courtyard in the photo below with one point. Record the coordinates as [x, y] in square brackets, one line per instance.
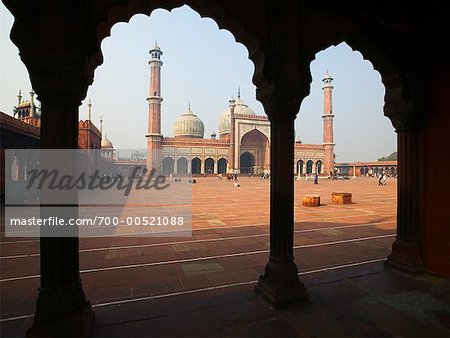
[203, 286]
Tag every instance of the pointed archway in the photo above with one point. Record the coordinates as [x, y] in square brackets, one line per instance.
[222, 166]
[209, 166]
[196, 166]
[182, 165]
[256, 144]
[168, 165]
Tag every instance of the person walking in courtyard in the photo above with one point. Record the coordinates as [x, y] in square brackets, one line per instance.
[316, 178]
[383, 179]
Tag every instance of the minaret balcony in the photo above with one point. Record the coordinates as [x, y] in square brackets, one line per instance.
[155, 98]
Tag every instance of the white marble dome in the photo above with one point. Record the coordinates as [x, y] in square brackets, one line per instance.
[240, 108]
[188, 125]
[106, 144]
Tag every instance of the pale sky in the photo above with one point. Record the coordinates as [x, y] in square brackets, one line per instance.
[205, 66]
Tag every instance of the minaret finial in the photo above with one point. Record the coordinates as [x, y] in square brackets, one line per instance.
[32, 103]
[89, 109]
[101, 126]
[19, 97]
[239, 92]
[189, 105]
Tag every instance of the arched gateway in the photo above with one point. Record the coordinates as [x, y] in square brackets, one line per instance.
[254, 150]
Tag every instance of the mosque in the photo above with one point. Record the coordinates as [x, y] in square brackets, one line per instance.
[243, 143]
[242, 146]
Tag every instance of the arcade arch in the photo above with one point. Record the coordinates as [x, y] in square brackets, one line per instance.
[222, 166]
[196, 166]
[182, 165]
[309, 166]
[209, 166]
[168, 165]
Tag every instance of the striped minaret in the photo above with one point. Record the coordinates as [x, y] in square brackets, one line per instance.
[328, 143]
[154, 136]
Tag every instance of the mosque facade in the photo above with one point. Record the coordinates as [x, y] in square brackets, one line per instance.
[243, 143]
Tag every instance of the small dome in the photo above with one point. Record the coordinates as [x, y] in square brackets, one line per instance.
[240, 108]
[188, 125]
[155, 47]
[327, 77]
[106, 144]
[224, 122]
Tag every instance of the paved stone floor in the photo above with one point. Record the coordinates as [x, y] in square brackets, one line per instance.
[203, 285]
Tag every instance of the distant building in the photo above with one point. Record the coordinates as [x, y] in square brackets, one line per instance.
[22, 131]
[367, 168]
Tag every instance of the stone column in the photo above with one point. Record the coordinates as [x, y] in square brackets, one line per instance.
[215, 167]
[267, 158]
[60, 74]
[175, 165]
[407, 249]
[202, 166]
[237, 150]
[61, 308]
[189, 166]
[280, 283]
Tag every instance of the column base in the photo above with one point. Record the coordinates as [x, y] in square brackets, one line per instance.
[280, 284]
[406, 256]
[62, 312]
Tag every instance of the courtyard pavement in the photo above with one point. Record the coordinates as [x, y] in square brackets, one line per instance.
[204, 285]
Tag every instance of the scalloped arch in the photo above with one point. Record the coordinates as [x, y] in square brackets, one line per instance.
[114, 13]
[391, 76]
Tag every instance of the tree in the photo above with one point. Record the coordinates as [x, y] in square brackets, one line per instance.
[391, 157]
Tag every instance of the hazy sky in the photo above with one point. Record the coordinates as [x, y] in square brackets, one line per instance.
[205, 66]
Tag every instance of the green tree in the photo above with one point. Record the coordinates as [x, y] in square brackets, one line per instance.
[391, 157]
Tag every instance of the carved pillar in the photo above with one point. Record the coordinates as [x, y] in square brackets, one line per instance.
[407, 249]
[61, 307]
[280, 283]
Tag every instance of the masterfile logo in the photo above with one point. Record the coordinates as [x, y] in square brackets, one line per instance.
[61, 193]
[53, 180]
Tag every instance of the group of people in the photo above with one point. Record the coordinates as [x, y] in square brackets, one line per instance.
[190, 180]
[315, 178]
[230, 177]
